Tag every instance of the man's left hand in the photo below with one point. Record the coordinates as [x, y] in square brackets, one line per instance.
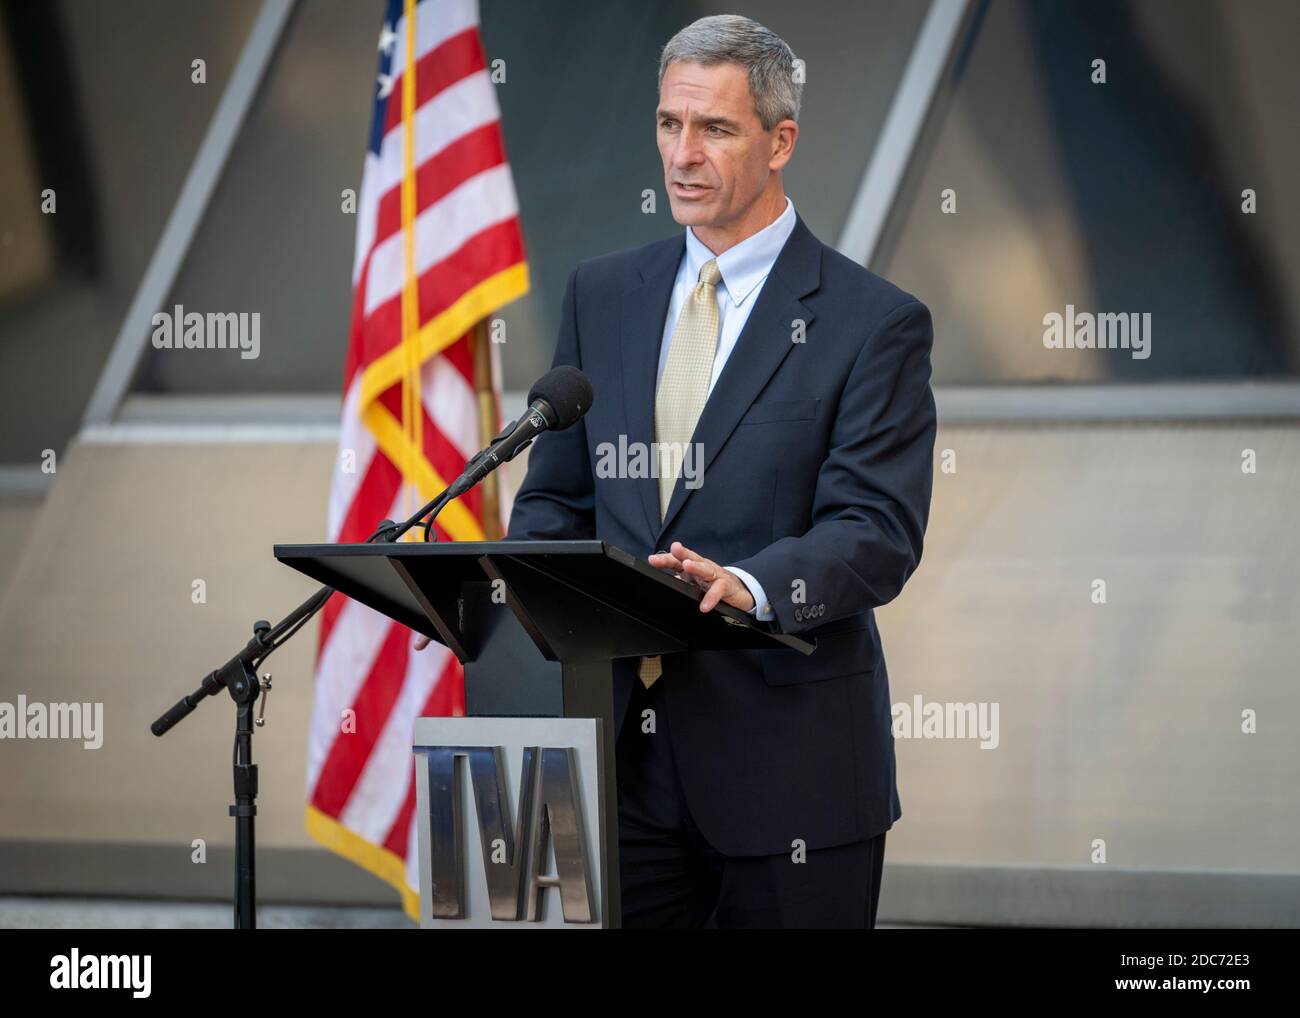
[718, 584]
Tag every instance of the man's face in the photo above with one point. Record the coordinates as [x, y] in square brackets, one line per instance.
[717, 157]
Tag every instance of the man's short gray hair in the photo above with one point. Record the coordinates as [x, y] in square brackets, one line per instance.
[730, 38]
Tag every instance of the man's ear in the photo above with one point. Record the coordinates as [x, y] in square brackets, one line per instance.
[784, 136]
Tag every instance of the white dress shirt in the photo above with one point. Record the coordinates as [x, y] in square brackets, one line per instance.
[744, 269]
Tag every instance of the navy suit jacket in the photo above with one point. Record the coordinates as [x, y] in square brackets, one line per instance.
[817, 453]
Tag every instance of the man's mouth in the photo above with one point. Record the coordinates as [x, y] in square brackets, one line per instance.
[690, 188]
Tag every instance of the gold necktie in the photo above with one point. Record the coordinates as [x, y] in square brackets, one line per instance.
[680, 399]
[685, 383]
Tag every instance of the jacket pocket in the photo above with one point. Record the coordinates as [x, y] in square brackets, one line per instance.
[767, 410]
[843, 652]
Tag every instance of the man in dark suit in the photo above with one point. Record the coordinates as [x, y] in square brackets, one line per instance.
[783, 395]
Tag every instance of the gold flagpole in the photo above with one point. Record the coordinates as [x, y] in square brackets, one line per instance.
[485, 398]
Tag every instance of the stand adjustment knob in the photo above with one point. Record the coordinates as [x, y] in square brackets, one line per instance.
[266, 692]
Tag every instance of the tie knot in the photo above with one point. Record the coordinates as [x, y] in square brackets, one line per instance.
[710, 273]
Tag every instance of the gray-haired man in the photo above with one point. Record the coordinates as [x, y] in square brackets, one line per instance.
[755, 787]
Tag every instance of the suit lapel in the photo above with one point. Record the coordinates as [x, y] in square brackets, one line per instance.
[645, 306]
[762, 345]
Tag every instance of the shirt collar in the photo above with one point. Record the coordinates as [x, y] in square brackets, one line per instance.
[747, 264]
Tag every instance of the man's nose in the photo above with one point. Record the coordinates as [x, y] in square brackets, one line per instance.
[688, 151]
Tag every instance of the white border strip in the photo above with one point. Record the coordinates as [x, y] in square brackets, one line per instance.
[1062, 403]
[234, 420]
[139, 433]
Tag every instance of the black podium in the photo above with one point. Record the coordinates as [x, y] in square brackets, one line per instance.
[537, 626]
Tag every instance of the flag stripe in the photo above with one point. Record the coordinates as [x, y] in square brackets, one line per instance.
[441, 230]
[370, 707]
[491, 251]
[468, 156]
[356, 453]
[461, 108]
[344, 661]
[379, 497]
[376, 797]
[453, 59]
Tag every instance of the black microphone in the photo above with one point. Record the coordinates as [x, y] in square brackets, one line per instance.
[557, 401]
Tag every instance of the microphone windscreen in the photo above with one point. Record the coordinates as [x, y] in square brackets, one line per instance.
[567, 390]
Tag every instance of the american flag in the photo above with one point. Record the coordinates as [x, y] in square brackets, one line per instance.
[439, 248]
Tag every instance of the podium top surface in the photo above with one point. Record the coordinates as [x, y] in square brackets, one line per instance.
[374, 575]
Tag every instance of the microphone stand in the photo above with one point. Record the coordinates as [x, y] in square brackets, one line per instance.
[239, 677]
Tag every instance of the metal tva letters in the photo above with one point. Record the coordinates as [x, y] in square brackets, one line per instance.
[515, 854]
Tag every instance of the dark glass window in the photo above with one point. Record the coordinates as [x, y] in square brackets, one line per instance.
[1081, 199]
